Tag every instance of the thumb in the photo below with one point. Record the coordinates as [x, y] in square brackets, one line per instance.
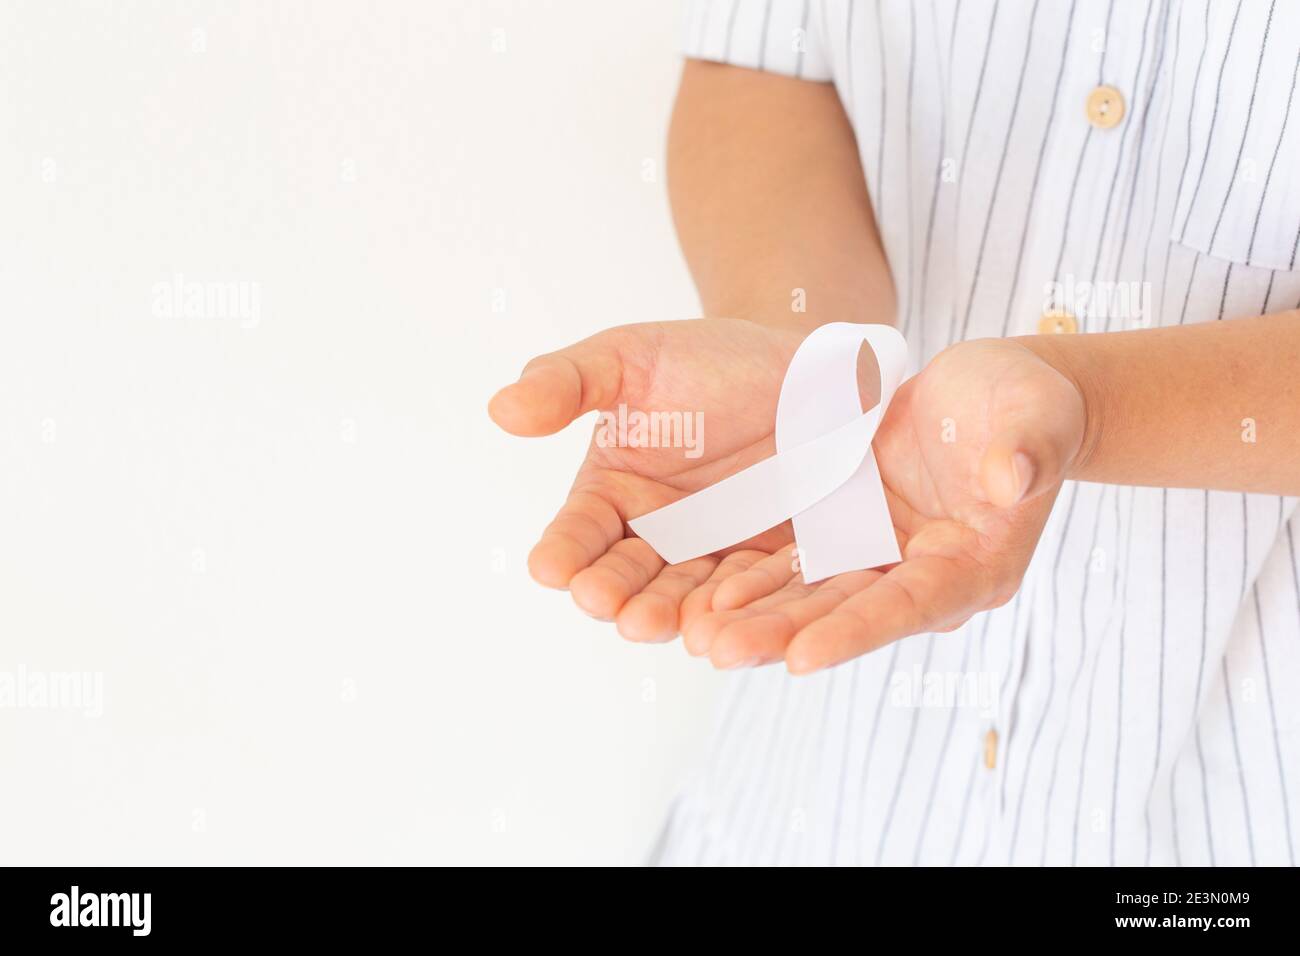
[1027, 458]
[558, 387]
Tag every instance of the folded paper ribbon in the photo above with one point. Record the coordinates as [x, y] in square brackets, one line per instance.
[823, 475]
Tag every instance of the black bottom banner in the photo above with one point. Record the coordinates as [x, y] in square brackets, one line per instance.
[369, 906]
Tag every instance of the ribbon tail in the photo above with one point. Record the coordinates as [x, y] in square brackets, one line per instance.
[844, 531]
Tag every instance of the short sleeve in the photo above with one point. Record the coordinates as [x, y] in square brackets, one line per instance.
[780, 36]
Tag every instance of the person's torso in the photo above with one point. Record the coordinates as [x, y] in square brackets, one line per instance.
[1073, 167]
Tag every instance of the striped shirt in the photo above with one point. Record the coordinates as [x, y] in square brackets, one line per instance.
[1084, 166]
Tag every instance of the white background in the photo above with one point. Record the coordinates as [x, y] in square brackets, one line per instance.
[294, 548]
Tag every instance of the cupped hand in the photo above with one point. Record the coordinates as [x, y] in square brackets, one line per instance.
[726, 371]
[972, 451]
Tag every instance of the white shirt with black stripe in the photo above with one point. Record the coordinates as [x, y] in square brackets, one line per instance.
[1135, 703]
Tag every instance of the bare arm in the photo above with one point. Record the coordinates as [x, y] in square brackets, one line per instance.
[768, 197]
[1213, 405]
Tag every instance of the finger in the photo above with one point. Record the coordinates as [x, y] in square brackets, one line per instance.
[701, 635]
[653, 615]
[759, 580]
[603, 588]
[1027, 458]
[585, 528]
[556, 388]
[698, 603]
[760, 633]
[924, 593]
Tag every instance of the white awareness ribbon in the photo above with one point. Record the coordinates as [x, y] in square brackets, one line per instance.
[823, 475]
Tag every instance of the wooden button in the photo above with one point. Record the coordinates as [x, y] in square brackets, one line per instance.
[1057, 323]
[1105, 107]
[991, 749]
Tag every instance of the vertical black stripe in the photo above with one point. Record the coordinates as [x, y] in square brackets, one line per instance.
[1078, 668]
[1295, 570]
[909, 206]
[803, 40]
[1272, 716]
[658, 851]
[1268, 179]
[1092, 680]
[1083, 761]
[918, 707]
[1214, 118]
[1236, 750]
[1187, 155]
[720, 743]
[1119, 738]
[863, 802]
[945, 96]
[762, 35]
[1223, 295]
[1119, 695]
[784, 771]
[703, 45]
[806, 745]
[787, 771]
[1245, 527]
[1038, 169]
[1013, 713]
[1140, 153]
[1119, 158]
[965, 154]
[1245, 133]
[844, 759]
[1083, 153]
[757, 787]
[965, 809]
[1200, 676]
[1014, 647]
[1294, 249]
[1160, 681]
[731, 26]
[1051, 674]
[1002, 164]
[1012, 716]
[967, 641]
[1191, 278]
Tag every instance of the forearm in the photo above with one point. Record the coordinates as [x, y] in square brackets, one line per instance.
[769, 198]
[1212, 405]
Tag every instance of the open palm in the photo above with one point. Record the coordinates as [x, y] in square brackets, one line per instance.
[972, 453]
[728, 371]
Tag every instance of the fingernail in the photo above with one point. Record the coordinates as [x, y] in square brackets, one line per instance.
[798, 667]
[740, 664]
[694, 645]
[1023, 466]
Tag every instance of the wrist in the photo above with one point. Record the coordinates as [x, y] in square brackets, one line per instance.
[1073, 359]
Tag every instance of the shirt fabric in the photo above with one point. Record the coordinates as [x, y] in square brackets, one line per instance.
[1141, 684]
